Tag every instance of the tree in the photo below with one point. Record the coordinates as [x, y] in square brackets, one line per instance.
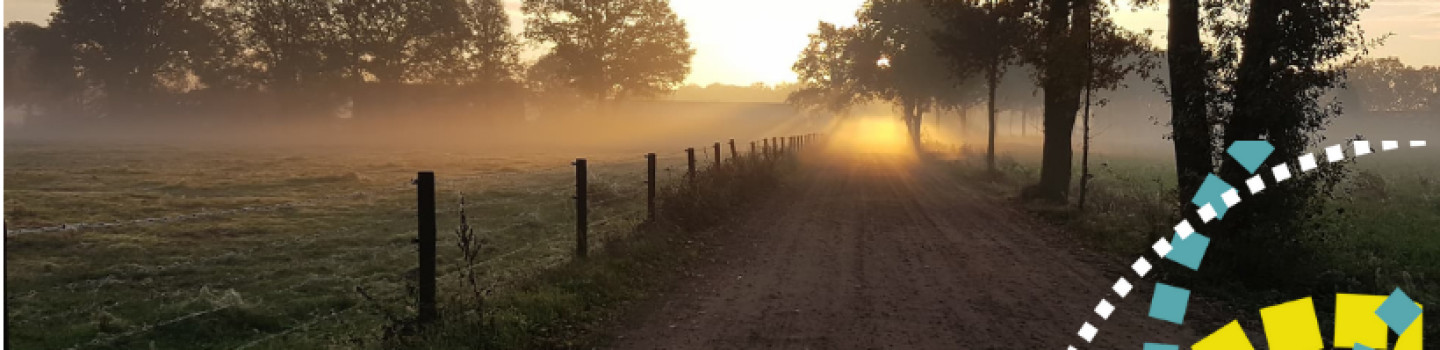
[388, 44]
[896, 59]
[824, 74]
[612, 49]
[1062, 80]
[40, 68]
[1386, 84]
[133, 50]
[297, 47]
[1271, 64]
[983, 37]
[1114, 55]
[1189, 121]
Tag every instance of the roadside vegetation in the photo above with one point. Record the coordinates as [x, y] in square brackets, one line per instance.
[1374, 233]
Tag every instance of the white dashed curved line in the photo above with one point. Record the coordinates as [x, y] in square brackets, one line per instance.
[1281, 172]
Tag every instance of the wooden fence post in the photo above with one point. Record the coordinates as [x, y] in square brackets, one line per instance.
[752, 149]
[717, 155]
[582, 208]
[650, 185]
[425, 212]
[690, 163]
[734, 156]
[767, 148]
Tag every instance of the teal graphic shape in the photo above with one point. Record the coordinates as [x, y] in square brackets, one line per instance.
[1250, 154]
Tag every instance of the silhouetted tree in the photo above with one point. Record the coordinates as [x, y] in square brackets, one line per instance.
[392, 43]
[133, 50]
[1272, 62]
[984, 38]
[824, 72]
[1062, 78]
[1190, 122]
[40, 70]
[896, 59]
[612, 49]
[297, 45]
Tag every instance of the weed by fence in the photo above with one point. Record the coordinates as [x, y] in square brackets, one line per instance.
[693, 203]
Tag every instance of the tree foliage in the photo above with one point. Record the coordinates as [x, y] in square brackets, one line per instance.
[1388, 85]
[152, 58]
[889, 55]
[40, 68]
[983, 39]
[611, 49]
[823, 71]
[133, 49]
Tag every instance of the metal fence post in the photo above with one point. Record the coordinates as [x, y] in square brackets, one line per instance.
[425, 213]
[582, 208]
[650, 185]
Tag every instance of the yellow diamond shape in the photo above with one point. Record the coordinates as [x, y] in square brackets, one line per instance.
[1356, 322]
[1292, 326]
[1230, 337]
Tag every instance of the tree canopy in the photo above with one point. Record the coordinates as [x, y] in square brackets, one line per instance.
[611, 49]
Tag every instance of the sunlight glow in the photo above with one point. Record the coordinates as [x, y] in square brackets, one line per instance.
[877, 135]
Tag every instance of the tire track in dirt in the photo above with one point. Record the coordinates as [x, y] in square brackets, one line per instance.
[871, 252]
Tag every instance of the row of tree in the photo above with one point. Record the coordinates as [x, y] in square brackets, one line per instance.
[1235, 70]
[926, 54]
[154, 59]
[1387, 85]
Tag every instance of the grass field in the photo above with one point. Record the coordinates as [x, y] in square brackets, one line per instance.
[282, 239]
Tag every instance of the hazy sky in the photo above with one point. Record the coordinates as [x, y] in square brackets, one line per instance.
[746, 41]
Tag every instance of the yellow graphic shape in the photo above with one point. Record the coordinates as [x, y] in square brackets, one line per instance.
[1411, 339]
[1356, 322]
[1292, 326]
[1229, 337]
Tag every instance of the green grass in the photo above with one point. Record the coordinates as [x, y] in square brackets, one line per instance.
[1381, 231]
[284, 277]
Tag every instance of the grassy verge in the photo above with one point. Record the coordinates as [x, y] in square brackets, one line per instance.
[564, 307]
[1378, 231]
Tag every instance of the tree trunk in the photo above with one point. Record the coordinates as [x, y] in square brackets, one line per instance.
[1062, 96]
[1024, 121]
[1189, 122]
[991, 79]
[1252, 81]
[1085, 136]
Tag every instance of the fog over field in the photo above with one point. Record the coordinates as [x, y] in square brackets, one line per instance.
[597, 174]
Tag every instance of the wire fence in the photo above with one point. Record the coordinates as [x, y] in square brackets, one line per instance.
[528, 218]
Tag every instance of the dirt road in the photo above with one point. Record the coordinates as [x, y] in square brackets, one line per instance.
[872, 252]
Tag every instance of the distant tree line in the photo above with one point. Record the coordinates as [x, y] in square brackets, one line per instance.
[168, 60]
[1387, 85]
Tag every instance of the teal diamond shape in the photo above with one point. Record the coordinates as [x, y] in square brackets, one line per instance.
[1250, 153]
[1398, 311]
[1169, 303]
